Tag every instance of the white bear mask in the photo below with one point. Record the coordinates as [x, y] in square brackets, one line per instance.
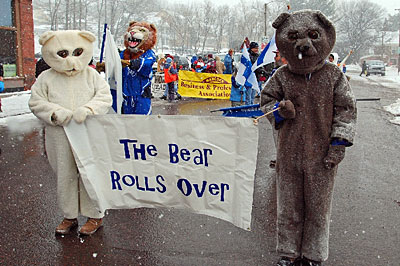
[68, 51]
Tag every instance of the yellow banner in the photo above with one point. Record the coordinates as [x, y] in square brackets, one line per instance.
[204, 85]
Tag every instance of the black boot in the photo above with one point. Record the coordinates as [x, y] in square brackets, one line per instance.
[285, 261]
[308, 262]
[163, 97]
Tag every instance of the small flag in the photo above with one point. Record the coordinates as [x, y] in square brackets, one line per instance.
[267, 55]
[245, 75]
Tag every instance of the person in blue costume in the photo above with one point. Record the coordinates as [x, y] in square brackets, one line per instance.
[137, 61]
[136, 76]
[136, 84]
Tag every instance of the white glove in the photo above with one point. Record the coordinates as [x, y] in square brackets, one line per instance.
[81, 113]
[61, 117]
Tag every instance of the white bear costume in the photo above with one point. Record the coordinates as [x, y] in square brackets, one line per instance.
[70, 89]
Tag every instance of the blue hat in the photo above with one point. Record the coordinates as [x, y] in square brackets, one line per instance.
[169, 60]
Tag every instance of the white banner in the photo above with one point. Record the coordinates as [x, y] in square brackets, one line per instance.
[204, 164]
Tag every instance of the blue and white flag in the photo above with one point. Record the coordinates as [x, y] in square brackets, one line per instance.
[267, 55]
[245, 75]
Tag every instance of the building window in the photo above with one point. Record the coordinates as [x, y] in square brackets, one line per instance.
[6, 17]
[8, 49]
[8, 33]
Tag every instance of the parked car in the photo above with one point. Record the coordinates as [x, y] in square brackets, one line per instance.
[182, 61]
[375, 67]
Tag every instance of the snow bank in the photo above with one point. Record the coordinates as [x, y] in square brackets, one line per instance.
[15, 103]
[395, 121]
[16, 115]
[394, 108]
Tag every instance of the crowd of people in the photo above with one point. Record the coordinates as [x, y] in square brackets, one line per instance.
[240, 94]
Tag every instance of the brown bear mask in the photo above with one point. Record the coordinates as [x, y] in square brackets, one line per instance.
[305, 38]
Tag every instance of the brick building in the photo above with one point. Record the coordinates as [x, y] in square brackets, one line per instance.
[17, 48]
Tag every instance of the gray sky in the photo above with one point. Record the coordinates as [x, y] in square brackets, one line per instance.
[390, 5]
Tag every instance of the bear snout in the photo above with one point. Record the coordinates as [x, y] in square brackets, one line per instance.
[305, 46]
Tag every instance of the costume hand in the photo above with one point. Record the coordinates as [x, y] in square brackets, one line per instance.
[335, 156]
[81, 113]
[125, 63]
[61, 117]
[287, 110]
[100, 67]
[135, 64]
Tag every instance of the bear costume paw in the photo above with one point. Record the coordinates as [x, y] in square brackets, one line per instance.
[81, 113]
[61, 117]
[287, 110]
[335, 156]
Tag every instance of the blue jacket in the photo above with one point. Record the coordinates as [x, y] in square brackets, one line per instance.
[138, 75]
[228, 64]
[237, 91]
[1, 86]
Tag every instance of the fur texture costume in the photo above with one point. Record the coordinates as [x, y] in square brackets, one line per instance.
[316, 121]
[70, 89]
[139, 58]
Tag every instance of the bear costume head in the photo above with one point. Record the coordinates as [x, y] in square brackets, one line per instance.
[67, 51]
[139, 37]
[305, 38]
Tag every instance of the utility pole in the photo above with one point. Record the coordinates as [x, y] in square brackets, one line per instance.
[384, 29]
[265, 20]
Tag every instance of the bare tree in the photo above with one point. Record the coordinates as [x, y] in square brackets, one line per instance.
[359, 28]
[208, 19]
[66, 14]
[327, 7]
[99, 9]
[222, 19]
[53, 10]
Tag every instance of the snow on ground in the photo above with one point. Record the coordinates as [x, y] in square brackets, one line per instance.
[16, 115]
[390, 80]
[15, 103]
[394, 109]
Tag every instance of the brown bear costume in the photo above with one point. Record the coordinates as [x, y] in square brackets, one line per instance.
[318, 113]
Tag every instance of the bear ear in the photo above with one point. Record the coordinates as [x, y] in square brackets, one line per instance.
[280, 19]
[153, 27]
[132, 22]
[324, 20]
[87, 35]
[46, 36]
